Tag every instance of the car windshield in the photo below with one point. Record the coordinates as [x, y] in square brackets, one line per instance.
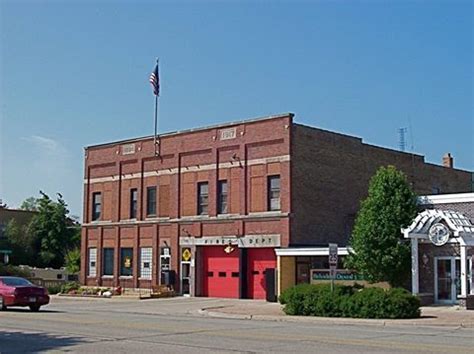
[15, 281]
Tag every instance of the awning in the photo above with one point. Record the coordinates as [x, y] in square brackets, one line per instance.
[459, 227]
[310, 251]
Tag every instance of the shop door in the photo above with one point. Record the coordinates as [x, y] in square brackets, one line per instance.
[259, 259]
[220, 272]
[447, 280]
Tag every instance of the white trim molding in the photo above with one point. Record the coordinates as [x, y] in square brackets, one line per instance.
[310, 251]
[446, 198]
[184, 169]
[247, 241]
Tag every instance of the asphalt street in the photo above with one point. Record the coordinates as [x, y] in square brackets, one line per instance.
[174, 326]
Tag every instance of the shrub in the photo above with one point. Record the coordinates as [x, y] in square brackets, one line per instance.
[294, 297]
[69, 287]
[54, 289]
[347, 301]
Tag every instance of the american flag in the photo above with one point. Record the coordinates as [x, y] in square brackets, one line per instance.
[155, 81]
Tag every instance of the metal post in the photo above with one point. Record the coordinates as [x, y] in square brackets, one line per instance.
[155, 141]
[155, 138]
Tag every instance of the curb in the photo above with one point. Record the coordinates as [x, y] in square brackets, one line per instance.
[331, 320]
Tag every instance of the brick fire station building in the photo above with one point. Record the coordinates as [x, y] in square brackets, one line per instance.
[215, 203]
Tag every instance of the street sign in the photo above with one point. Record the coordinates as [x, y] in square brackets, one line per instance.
[332, 263]
[6, 251]
[333, 254]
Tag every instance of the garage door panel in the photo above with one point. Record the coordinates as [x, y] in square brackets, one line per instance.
[220, 272]
[259, 259]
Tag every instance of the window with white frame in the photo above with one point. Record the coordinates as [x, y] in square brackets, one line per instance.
[146, 257]
[92, 268]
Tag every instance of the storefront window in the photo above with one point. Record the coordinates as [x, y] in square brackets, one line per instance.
[108, 268]
[126, 265]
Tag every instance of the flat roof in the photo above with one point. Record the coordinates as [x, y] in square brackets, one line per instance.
[191, 130]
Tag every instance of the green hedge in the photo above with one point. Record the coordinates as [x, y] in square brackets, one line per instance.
[347, 301]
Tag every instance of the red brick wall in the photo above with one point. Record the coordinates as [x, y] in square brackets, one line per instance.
[183, 162]
[330, 176]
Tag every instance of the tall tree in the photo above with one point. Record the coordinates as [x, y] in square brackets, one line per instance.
[55, 234]
[380, 253]
[20, 241]
[30, 204]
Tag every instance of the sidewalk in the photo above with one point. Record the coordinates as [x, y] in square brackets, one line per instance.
[449, 316]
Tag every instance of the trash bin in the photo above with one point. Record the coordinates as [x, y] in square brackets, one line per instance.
[270, 284]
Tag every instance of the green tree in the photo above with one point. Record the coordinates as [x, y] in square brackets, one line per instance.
[21, 242]
[379, 251]
[73, 261]
[54, 233]
[30, 204]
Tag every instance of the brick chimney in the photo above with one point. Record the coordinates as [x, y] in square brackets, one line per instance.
[448, 160]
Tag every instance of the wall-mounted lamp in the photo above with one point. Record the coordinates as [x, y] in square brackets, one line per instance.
[425, 259]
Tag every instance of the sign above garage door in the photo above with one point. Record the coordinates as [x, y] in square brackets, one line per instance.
[248, 241]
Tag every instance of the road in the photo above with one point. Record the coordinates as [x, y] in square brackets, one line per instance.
[174, 326]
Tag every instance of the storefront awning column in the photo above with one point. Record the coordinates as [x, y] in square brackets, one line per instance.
[464, 270]
[414, 267]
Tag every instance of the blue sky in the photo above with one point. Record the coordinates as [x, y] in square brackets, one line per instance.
[74, 74]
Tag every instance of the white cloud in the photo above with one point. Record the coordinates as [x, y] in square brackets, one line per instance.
[47, 145]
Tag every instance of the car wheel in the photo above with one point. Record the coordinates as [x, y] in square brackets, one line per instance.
[35, 308]
[2, 305]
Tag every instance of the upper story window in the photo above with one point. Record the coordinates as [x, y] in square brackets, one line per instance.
[203, 198]
[151, 201]
[222, 197]
[96, 205]
[274, 193]
[133, 203]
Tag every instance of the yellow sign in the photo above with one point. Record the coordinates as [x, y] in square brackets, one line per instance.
[127, 262]
[186, 254]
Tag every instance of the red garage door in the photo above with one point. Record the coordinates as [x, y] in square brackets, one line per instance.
[258, 260]
[220, 272]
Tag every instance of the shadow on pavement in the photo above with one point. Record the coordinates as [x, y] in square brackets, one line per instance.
[27, 310]
[21, 342]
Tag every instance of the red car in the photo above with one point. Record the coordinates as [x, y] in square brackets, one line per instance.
[15, 291]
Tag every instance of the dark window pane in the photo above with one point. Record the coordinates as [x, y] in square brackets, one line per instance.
[221, 274]
[273, 193]
[235, 274]
[96, 205]
[222, 197]
[133, 203]
[126, 261]
[203, 198]
[151, 201]
[108, 261]
[13, 281]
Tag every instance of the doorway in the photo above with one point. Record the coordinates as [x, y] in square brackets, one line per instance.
[447, 279]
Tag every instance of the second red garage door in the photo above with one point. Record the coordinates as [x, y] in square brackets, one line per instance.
[220, 272]
[259, 259]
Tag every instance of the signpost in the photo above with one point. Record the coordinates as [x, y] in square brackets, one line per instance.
[332, 263]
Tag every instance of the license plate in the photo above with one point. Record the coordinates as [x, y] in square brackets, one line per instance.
[32, 299]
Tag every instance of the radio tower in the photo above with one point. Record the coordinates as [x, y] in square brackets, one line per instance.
[402, 143]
